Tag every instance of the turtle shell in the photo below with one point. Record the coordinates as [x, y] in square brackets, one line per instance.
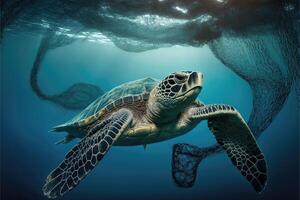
[127, 89]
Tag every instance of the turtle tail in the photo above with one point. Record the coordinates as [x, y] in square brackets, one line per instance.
[185, 161]
[61, 128]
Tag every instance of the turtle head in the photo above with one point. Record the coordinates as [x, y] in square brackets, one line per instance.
[174, 94]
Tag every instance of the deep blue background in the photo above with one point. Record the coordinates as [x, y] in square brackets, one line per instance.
[28, 152]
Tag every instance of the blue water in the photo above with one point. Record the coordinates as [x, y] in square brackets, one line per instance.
[28, 152]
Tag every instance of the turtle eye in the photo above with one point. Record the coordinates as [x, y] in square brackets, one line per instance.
[180, 77]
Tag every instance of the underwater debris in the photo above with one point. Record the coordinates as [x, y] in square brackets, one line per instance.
[79, 95]
[10, 12]
[185, 161]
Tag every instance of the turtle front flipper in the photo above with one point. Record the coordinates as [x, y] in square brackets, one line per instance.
[86, 154]
[234, 135]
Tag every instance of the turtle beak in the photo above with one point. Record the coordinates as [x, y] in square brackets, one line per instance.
[195, 80]
[192, 86]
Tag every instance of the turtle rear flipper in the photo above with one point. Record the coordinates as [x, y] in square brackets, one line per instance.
[86, 154]
[66, 140]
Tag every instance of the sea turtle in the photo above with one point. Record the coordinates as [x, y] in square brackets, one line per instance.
[148, 111]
